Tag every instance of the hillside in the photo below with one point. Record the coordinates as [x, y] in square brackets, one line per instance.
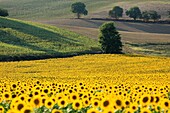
[52, 9]
[26, 40]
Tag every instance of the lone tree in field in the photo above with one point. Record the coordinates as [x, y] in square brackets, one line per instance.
[79, 8]
[3, 12]
[116, 12]
[134, 13]
[110, 39]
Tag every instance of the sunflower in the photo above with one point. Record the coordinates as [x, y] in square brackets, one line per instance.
[14, 102]
[26, 110]
[19, 105]
[1, 99]
[74, 96]
[45, 90]
[62, 103]
[106, 103]
[119, 103]
[110, 110]
[36, 101]
[165, 104]
[49, 103]
[14, 86]
[2, 109]
[95, 103]
[152, 99]
[56, 111]
[157, 99]
[77, 105]
[92, 111]
[53, 98]
[23, 97]
[36, 93]
[145, 110]
[134, 106]
[12, 111]
[86, 102]
[127, 103]
[43, 99]
[59, 96]
[7, 96]
[145, 100]
[129, 110]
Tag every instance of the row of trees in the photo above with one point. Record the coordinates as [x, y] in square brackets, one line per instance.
[3, 12]
[79, 9]
[134, 13]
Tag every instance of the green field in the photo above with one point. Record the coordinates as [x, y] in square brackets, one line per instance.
[27, 40]
[52, 9]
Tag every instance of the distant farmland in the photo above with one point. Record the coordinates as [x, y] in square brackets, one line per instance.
[52, 9]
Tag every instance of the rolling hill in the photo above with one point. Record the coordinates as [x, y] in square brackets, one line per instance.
[26, 40]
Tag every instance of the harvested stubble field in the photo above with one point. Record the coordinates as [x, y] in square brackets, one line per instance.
[138, 38]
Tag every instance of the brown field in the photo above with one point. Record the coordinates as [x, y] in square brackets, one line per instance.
[138, 38]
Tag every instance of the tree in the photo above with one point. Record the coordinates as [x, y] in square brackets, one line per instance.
[169, 14]
[110, 39]
[154, 15]
[3, 12]
[79, 8]
[134, 13]
[116, 12]
[145, 16]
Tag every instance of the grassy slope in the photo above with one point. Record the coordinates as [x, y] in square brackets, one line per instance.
[26, 40]
[51, 9]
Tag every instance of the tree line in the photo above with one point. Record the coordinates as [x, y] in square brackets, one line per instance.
[135, 13]
[79, 9]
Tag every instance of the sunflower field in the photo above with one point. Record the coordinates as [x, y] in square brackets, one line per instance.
[86, 84]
